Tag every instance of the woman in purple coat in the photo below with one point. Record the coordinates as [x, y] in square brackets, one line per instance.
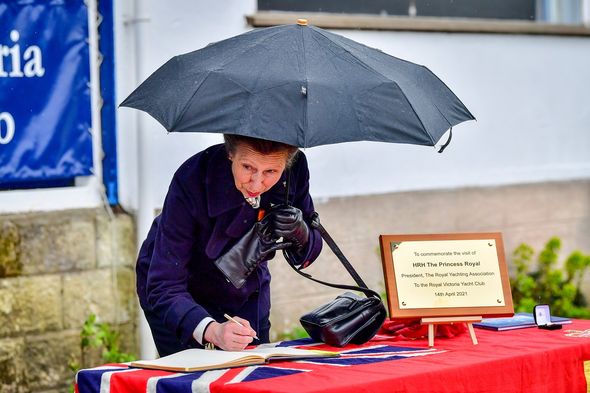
[214, 199]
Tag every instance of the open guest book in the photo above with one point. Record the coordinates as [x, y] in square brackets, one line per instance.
[203, 359]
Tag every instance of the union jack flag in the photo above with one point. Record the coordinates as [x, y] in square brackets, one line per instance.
[300, 375]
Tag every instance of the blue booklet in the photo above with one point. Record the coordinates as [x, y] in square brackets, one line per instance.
[518, 321]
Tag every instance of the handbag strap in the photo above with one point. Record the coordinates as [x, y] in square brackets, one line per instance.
[368, 292]
[315, 223]
[362, 287]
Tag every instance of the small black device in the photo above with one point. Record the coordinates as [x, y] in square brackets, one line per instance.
[542, 314]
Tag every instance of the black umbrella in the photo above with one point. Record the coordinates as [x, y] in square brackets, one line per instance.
[300, 85]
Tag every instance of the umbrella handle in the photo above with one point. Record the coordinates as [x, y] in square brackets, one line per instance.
[287, 184]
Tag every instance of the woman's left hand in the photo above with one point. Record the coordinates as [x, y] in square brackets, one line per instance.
[289, 224]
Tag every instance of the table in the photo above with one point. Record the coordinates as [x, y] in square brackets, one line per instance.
[523, 360]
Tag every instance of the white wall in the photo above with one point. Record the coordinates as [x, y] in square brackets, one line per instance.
[529, 94]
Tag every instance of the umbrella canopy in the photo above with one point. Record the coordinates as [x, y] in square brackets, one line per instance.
[299, 85]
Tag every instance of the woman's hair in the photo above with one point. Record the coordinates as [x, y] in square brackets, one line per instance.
[261, 146]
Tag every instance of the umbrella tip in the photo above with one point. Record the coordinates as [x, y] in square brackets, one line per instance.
[302, 22]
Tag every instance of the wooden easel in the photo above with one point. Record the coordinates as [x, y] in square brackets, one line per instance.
[432, 322]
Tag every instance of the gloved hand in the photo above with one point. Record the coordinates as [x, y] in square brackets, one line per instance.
[288, 223]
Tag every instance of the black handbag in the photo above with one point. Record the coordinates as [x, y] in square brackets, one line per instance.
[257, 245]
[349, 318]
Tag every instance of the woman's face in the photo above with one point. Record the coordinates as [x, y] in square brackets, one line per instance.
[255, 173]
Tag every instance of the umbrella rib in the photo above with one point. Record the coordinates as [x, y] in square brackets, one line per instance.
[371, 50]
[186, 104]
[362, 63]
[254, 45]
[369, 68]
[442, 114]
[448, 122]
[445, 85]
[209, 71]
[418, 117]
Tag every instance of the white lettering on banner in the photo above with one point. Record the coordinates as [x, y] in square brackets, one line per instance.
[6, 119]
[11, 57]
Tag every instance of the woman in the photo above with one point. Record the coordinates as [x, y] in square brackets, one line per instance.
[214, 199]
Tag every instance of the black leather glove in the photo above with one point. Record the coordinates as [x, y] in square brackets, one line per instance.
[288, 223]
[257, 245]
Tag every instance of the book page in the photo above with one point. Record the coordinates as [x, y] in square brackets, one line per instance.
[288, 352]
[199, 359]
[202, 359]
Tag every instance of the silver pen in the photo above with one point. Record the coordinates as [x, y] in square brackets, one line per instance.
[234, 321]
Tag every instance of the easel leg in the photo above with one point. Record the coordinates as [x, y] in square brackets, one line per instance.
[472, 333]
[432, 322]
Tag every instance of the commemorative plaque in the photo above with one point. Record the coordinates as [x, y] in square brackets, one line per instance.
[458, 276]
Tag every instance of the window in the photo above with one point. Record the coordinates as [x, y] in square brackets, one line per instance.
[570, 17]
[497, 9]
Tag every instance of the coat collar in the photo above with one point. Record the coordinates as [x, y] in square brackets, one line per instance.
[222, 194]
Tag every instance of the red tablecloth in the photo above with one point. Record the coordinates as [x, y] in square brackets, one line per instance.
[524, 360]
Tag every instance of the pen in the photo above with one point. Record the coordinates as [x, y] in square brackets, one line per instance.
[234, 321]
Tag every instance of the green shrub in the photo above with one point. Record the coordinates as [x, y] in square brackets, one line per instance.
[102, 337]
[560, 288]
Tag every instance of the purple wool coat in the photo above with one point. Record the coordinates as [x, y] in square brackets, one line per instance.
[203, 216]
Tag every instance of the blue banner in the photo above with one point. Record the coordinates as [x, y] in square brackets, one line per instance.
[45, 108]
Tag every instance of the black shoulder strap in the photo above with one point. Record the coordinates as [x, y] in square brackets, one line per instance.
[362, 287]
[315, 223]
